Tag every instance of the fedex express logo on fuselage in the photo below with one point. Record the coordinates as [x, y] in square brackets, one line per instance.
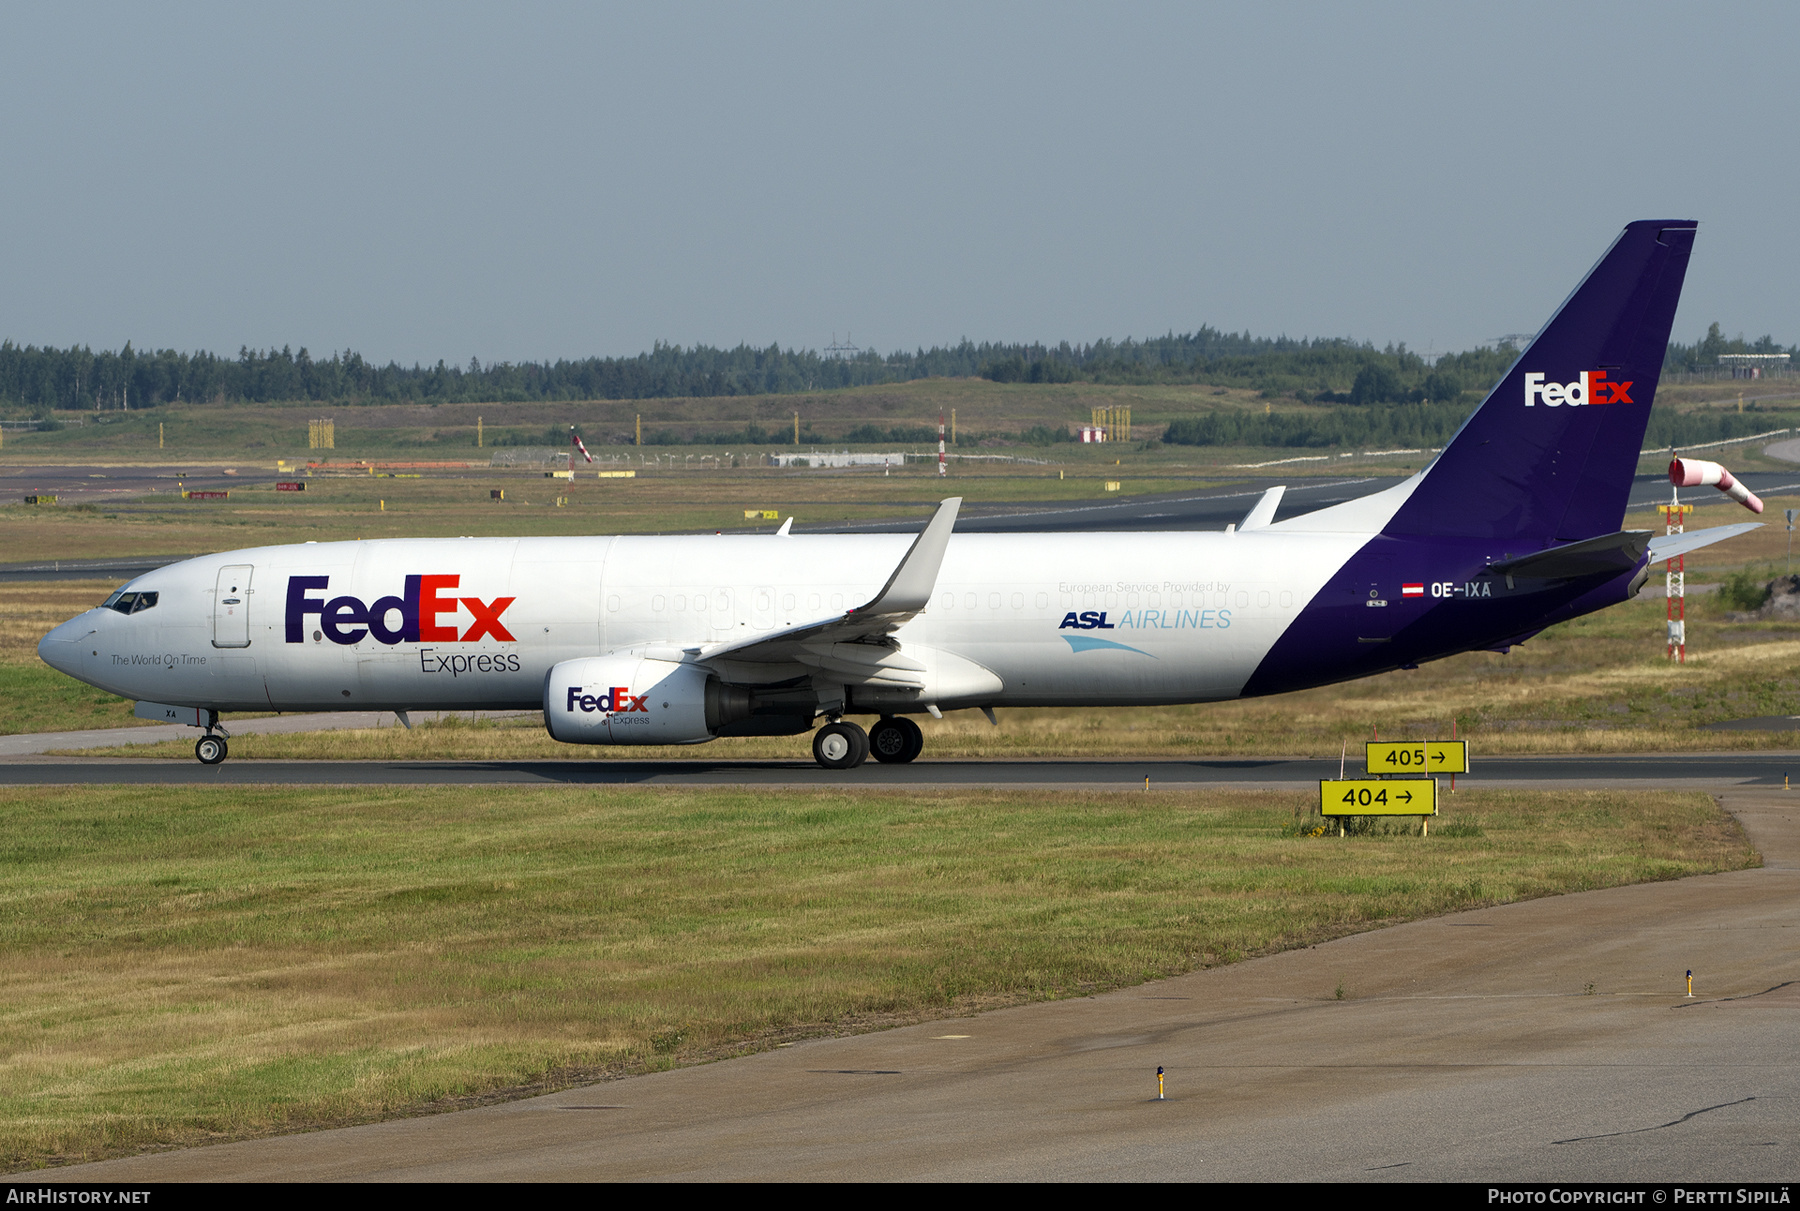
[420, 605]
[1592, 387]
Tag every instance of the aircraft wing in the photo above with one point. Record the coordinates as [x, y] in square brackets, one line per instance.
[857, 643]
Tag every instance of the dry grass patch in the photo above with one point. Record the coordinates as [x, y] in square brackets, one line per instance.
[33, 696]
[185, 965]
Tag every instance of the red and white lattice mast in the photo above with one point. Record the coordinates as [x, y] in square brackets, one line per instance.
[1674, 516]
[941, 465]
[1692, 473]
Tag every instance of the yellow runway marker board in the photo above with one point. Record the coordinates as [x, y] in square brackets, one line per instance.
[1379, 797]
[1417, 757]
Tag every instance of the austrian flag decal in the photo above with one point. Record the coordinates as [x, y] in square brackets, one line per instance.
[1412, 590]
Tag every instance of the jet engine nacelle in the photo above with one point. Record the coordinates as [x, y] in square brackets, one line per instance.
[630, 700]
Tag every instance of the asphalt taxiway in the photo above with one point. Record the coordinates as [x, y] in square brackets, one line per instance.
[1709, 771]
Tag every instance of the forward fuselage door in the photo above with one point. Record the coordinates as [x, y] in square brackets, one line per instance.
[231, 607]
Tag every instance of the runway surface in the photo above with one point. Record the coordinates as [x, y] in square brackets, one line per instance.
[1646, 770]
[1548, 1040]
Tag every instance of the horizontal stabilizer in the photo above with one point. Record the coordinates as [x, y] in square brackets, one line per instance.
[1607, 554]
[1668, 546]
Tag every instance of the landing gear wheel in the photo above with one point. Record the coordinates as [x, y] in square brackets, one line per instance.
[840, 746]
[210, 749]
[895, 740]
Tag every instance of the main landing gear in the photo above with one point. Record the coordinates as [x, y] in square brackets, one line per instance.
[841, 745]
[895, 740]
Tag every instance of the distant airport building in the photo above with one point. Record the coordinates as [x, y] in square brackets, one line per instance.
[1755, 365]
[843, 458]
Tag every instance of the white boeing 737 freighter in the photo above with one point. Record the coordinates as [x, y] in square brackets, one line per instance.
[677, 640]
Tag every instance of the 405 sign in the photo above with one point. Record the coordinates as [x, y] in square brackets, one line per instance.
[1378, 797]
[1416, 757]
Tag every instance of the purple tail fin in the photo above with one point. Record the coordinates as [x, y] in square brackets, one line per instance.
[1550, 454]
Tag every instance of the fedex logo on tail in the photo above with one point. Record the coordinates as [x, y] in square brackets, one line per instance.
[1592, 387]
[420, 606]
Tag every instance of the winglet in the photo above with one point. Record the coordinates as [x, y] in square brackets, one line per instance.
[908, 590]
[786, 527]
[1263, 512]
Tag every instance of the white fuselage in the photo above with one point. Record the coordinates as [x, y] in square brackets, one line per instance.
[1157, 617]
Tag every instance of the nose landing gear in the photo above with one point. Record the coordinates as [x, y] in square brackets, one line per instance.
[211, 748]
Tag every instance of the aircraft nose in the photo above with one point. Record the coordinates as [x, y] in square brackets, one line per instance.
[61, 648]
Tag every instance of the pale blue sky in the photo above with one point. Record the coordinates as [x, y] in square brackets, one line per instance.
[537, 181]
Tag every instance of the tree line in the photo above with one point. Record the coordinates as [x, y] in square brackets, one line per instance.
[1321, 370]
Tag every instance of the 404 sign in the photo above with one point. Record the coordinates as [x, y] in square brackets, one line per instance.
[1379, 797]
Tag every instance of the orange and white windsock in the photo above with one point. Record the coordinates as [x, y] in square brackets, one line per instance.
[575, 440]
[1694, 472]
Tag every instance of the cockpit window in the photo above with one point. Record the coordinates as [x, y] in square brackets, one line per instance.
[129, 603]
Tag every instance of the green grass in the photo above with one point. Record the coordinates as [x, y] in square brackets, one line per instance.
[188, 965]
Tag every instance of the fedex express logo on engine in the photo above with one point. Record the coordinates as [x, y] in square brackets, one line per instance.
[420, 607]
[617, 701]
[1592, 387]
